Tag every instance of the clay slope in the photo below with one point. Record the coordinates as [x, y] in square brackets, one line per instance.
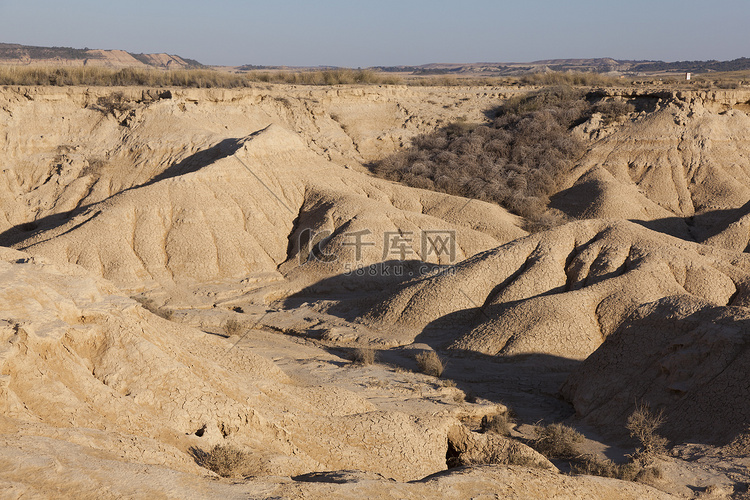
[678, 160]
[67, 151]
[63, 149]
[245, 213]
[100, 398]
[563, 291]
[84, 365]
[682, 355]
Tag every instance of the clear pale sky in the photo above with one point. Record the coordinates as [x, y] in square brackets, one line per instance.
[387, 32]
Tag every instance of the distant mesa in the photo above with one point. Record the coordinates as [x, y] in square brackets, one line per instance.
[28, 55]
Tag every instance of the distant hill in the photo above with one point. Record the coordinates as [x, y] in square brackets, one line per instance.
[600, 65]
[741, 64]
[11, 53]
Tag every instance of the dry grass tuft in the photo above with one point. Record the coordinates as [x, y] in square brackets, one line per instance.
[557, 441]
[501, 424]
[430, 363]
[226, 461]
[363, 355]
[594, 466]
[233, 327]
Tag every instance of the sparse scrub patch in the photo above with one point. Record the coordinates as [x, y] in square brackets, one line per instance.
[561, 441]
[430, 363]
[192, 78]
[518, 160]
[363, 355]
[573, 78]
[649, 475]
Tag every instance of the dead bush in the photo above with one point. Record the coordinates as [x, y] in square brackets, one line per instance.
[595, 466]
[557, 441]
[611, 111]
[364, 355]
[233, 327]
[515, 457]
[500, 423]
[226, 461]
[113, 103]
[430, 363]
[649, 475]
[642, 424]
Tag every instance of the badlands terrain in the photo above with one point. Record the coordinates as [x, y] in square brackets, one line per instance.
[187, 271]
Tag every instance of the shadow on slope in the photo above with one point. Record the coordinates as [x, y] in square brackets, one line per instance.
[359, 288]
[686, 357]
[576, 200]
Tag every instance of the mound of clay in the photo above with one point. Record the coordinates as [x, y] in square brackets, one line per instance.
[245, 213]
[681, 156]
[563, 291]
[67, 148]
[472, 448]
[680, 355]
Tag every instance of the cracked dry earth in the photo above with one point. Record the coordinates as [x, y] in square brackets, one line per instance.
[158, 300]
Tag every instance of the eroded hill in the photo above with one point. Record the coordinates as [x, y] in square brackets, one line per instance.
[248, 220]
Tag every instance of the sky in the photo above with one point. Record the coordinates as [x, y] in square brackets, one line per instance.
[387, 32]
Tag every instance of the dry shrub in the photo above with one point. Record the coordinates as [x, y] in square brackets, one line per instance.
[594, 466]
[525, 461]
[642, 424]
[113, 103]
[430, 363]
[557, 441]
[517, 160]
[516, 457]
[233, 327]
[612, 110]
[500, 423]
[582, 78]
[364, 355]
[649, 475]
[226, 461]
